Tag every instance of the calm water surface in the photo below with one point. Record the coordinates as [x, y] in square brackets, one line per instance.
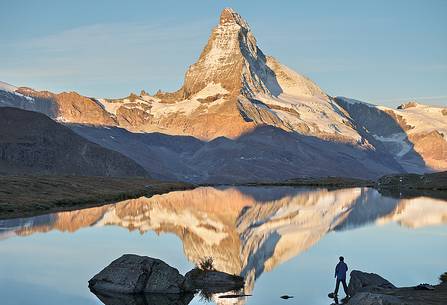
[282, 240]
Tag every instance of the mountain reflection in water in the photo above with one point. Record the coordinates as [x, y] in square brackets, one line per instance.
[245, 230]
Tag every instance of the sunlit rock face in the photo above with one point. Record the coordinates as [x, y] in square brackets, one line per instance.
[247, 231]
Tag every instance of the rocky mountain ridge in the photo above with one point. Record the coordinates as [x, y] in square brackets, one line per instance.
[32, 143]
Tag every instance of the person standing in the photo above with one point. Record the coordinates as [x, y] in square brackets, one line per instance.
[340, 275]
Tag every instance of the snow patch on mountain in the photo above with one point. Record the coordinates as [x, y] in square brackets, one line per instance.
[317, 114]
[10, 89]
[400, 141]
[111, 106]
[7, 87]
[354, 101]
[211, 89]
[211, 95]
[422, 118]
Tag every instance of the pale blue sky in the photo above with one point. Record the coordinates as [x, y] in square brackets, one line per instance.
[384, 52]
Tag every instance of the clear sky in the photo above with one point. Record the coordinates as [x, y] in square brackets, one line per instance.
[383, 51]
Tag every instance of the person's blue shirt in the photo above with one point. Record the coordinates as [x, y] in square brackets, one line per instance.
[340, 271]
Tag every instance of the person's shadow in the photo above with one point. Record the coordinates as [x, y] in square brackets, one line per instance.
[342, 301]
[335, 301]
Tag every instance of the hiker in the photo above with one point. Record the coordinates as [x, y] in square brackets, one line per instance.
[340, 275]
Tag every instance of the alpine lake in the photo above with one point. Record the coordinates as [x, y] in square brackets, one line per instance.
[282, 240]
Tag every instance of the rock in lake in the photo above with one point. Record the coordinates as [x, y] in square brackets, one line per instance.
[138, 274]
[369, 282]
[212, 281]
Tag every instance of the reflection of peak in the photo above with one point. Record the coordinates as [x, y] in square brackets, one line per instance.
[244, 235]
[366, 209]
[418, 212]
[276, 231]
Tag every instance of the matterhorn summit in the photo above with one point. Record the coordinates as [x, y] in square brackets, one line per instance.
[231, 90]
[233, 81]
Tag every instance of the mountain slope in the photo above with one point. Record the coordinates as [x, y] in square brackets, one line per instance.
[415, 134]
[32, 143]
[266, 153]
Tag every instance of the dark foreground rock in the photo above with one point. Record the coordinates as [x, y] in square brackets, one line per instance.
[212, 281]
[134, 274]
[138, 274]
[362, 281]
[372, 289]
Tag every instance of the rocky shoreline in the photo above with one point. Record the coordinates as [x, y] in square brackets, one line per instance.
[335, 182]
[23, 196]
[372, 289]
[398, 186]
[134, 279]
[433, 182]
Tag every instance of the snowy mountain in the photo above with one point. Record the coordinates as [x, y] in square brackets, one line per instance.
[233, 81]
[243, 115]
[7, 87]
[415, 134]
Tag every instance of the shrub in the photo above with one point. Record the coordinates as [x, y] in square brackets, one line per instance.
[443, 277]
[206, 264]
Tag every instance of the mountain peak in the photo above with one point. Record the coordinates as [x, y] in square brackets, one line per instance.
[7, 87]
[230, 17]
[409, 104]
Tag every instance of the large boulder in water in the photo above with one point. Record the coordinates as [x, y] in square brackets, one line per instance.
[370, 282]
[138, 274]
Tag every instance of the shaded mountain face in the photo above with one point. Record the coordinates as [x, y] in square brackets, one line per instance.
[415, 134]
[32, 143]
[266, 153]
[230, 101]
[244, 235]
